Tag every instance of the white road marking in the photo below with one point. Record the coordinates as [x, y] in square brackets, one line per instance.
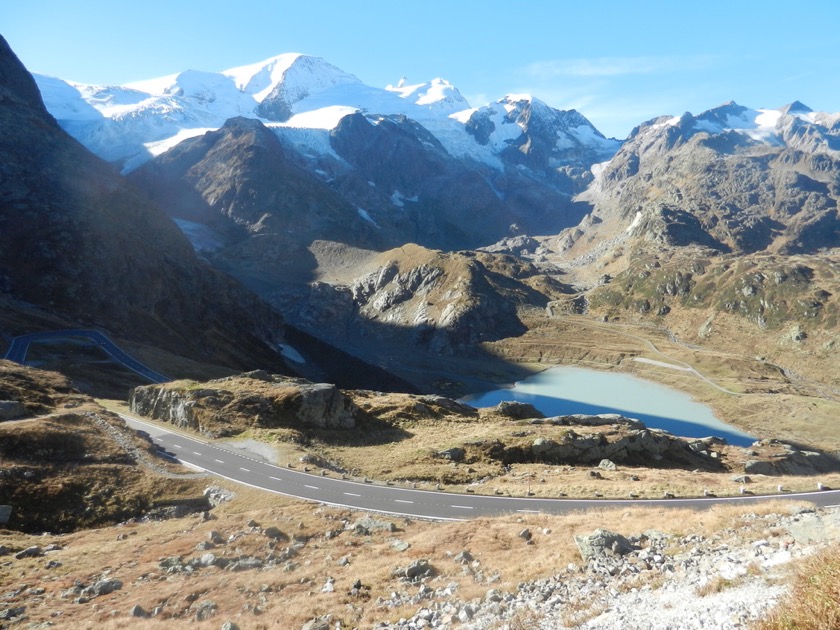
[312, 487]
[403, 501]
[244, 469]
[177, 446]
[529, 511]
[463, 507]
[219, 461]
[275, 478]
[832, 506]
[352, 494]
[196, 453]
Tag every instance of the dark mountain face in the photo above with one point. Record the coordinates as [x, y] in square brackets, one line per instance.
[77, 240]
[389, 182]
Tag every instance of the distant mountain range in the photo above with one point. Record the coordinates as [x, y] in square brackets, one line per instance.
[292, 176]
[416, 163]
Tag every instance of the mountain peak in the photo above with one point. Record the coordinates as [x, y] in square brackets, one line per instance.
[438, 93]
[797, 107]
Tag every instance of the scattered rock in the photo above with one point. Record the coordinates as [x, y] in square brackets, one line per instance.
[105, 586]
[366, 525]
[275, 534]
[138, 611]
[10, 613]
[229, 625]
[465, 557]
[217, 495]
[525, 534]
[606, 464]
[30, 552]
[5, 514]
[518, 410]
[454, 454]
[319, 623]
[400, 545]
[205, 610]
[415, 571]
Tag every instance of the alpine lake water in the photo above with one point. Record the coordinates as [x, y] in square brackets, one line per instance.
[564, 391]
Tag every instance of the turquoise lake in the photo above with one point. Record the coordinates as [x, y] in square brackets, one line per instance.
[568, 390]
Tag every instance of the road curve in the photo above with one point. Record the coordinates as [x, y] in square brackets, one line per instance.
[253, 472]
[20, 346]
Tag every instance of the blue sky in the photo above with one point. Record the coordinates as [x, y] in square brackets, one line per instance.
[617, 62]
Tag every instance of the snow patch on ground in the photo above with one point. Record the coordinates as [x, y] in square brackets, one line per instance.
[203, 239]
[367, 217]
[291, 354]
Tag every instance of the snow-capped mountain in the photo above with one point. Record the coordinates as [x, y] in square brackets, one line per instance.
[303, 98]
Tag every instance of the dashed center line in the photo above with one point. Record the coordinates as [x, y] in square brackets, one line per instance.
[219, 461]
[244, 469]
[402, 501]
[352, 494]
[196, 453]
[275, 478]
[463, 507]
[177, 446]
[312, 487]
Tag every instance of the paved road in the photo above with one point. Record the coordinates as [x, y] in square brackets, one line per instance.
[395, 500]
[20, 346]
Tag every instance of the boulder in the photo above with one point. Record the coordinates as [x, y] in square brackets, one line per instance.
[106, 586]
[606, 464]
[365, 525]
[5, 514]
[454, 454]
[518, 410]
[759, 467]
[205, 610]
[319, 623]
[274, 533]
[138, 611]
[602, 542]
[30, 552]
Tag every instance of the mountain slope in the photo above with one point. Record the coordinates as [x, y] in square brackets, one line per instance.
[76, 240]
[732, 178]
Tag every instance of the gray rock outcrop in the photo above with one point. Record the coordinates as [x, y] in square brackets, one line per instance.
[602, 542]
[11, 409]
[216, 409]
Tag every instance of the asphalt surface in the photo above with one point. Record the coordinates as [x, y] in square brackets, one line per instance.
[398, 500]
[20, 346]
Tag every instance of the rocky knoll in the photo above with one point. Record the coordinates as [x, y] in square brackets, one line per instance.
[229, 406]
[593, 440]
[420, 298]
[66, 463]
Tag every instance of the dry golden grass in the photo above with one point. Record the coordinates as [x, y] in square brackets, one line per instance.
[131, 553]
[814, 601]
